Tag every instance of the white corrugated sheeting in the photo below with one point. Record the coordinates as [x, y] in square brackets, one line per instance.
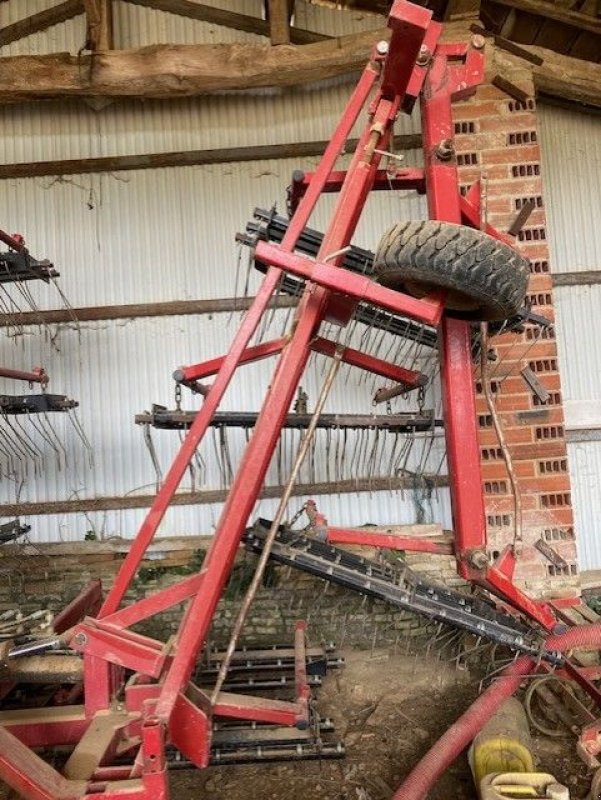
[118, 369]
[71, 129]
[168, 234]
[571, 143]
[571, 149]
[585, 473]
[579, 329]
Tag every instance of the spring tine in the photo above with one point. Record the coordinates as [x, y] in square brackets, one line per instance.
[343, 455]
[14, 442]
[328, 442]
[79, 429]
[59, 448]
[20, 467]
[369, 471]
[37, 453]
[218, 460]
[395, 443]
[153, 456]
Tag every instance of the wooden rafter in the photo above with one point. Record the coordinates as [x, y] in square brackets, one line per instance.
[40, 21]
[227, 19]
[168, 71]
[548, 10]
[99, 20]
[279, 22]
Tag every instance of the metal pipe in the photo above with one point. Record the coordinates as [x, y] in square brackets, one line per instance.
[442, 754]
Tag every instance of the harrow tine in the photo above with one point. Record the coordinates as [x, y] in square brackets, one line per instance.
[79, 430]
[153, 455]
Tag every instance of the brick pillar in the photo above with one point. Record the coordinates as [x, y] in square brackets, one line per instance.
[497, 138]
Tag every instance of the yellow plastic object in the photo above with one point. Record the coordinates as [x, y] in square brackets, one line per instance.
[503, 744]
[500, 754]
[535, 785]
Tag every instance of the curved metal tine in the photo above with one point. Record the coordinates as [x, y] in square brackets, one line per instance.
[35, 423]
[11, 319]
[343, 454]
[191, 465]
[393, 449]
[336, 434]
[79, 430]
[201, 466]
[370, 461]
[60, 448]
[66, 303]
[12, 308]
[352, 469]
[236, 279]
[328, 443]
[13, 446]
[218, 458]
[311, 461]
[364, 461]
[146, 428]
[250, 263]
[8, 453]
[226, 451]
[37, 454]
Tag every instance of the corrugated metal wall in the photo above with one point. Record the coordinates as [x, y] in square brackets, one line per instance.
[571, 147]
[162, 235]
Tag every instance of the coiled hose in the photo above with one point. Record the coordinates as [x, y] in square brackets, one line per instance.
[452, 743]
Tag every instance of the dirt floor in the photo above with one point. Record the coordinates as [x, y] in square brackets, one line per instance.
[388, 710]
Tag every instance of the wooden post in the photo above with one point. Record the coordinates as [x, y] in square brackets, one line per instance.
[99, 16]
[279, 22]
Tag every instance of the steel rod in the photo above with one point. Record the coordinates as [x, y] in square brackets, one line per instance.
[277, 520]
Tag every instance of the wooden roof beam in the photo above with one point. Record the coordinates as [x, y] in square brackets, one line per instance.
[227, 19]
[40, 21]
[99, 20]
[548, 10]
[170, 71]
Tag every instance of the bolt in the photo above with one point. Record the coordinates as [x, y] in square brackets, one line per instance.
[478, 42]
[382, 47]
[80, 639]
[424, 56]
[478, 559]
[445, 150]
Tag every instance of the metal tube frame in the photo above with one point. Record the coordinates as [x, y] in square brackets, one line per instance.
[159, 702]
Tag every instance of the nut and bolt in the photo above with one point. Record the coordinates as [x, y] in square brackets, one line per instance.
[478, 41]
[382, 47]
[445, 150]
[424, 56]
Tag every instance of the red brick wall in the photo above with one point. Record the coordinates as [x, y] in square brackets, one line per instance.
[496, 137]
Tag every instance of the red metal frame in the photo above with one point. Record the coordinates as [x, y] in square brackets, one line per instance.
[159, 703]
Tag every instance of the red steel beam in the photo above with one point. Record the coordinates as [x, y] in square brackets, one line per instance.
[349, 284]
[257, 456]
[37, 375]
[206, 368]
[388, 540]
[463, 452]
[239, 345]
[378, 366]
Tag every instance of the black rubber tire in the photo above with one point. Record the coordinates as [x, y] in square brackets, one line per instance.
[485, 279]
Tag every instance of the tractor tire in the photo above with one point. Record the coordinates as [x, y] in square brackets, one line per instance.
[485, 279]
